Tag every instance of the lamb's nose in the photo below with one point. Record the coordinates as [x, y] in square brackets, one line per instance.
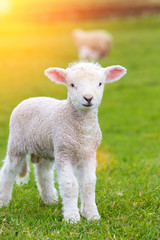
[88, 99]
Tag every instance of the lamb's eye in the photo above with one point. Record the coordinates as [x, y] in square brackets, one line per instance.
[72, 85]
[100, 84]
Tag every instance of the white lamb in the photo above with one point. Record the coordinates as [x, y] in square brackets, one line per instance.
[93, 44]
[64, 132]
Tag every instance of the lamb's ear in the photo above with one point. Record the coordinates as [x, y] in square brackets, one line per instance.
[57, 75]
[114, 73]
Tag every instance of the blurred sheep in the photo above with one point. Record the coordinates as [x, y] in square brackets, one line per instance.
[93, 44]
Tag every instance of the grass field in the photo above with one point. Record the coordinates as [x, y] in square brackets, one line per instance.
[128, 173]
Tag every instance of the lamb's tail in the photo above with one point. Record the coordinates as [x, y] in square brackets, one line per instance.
[23, 176]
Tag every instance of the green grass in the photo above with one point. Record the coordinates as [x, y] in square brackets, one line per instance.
[128, 175]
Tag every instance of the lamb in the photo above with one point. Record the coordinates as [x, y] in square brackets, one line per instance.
[61, 132]
[93, 44]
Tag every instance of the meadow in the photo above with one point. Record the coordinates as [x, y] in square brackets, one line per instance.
[128, 172]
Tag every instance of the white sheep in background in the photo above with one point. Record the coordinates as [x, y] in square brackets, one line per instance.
[62, 131]
[93, 44]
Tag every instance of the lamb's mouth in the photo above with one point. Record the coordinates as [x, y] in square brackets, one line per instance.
[87, 105]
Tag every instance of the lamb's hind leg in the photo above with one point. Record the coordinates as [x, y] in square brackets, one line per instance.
[44, 176]
[10, 169]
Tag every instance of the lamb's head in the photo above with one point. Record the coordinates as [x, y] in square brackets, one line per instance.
[85, 82]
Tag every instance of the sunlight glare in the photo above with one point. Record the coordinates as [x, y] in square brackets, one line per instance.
[5, 7]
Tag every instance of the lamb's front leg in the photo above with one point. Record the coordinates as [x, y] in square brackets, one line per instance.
[68, 190]
[87, 182]
[44, 176]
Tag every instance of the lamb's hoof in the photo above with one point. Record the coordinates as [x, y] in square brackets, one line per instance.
[3, 204]
[72, 216]
[52, 199]
[91, 215]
